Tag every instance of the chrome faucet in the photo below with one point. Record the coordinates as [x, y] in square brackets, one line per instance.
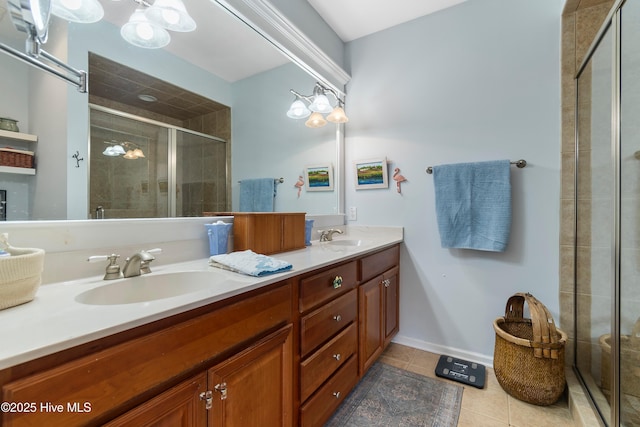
[137, 264]
[327, 235]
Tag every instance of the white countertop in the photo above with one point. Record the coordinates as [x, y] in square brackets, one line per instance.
[55, 321]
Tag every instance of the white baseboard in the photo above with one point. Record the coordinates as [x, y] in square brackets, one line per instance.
[449, 351]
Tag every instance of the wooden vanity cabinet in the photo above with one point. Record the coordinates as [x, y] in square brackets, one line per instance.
[245, 342]
[378, 304]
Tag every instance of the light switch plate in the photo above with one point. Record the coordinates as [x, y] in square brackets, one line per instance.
[353, 214]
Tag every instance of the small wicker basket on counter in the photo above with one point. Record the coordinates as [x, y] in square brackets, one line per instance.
[528, 358]
[20, 275]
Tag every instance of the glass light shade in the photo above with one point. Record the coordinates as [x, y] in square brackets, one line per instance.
[118, 149]
[130, 156]
[138, 152]
[298, 110]
[109, 151]
[337, 116]
[172, 15]
[82, 11]
[315, 121]
[321, 104]
[141, 32]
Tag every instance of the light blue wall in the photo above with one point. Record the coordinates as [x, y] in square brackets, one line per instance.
[266, 143]
[309, 22]
[478, 81]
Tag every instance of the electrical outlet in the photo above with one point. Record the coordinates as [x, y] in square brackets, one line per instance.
[353, 214]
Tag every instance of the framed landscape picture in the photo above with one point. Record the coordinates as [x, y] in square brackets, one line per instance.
[319, 177]
[371, 174]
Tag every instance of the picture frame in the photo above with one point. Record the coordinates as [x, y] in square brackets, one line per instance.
[371, 173]
[319, 177]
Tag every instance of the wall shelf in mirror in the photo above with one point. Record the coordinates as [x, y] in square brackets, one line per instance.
[17, 136]
[9, 137]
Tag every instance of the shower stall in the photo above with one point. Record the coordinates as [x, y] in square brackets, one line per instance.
[607, 245]
[141, 168]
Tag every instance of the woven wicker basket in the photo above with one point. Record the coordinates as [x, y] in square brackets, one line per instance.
[529, 353]
[16, 158]
[20, 276]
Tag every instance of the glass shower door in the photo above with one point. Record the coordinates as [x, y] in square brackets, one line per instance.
[630, 215]
[594, 242]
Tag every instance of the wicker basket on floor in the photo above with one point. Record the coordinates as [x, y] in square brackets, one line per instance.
[20, 275]
[529, 353]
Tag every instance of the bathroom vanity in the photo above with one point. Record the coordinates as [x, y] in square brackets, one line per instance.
[281, 350]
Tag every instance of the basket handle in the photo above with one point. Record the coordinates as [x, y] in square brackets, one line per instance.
[545, 335]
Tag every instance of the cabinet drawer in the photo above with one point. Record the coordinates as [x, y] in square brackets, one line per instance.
[315, 290]
[322, 405]
[320, 325]
[379, 262]
[324, 362]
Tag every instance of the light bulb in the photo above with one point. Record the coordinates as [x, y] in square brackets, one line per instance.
[171, 16]
[144, 31]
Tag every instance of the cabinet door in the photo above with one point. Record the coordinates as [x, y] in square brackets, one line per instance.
[254, 387]
[391, 304]
[179, 406]
[371, 322]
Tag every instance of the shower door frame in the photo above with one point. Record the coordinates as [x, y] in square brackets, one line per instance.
[612, 22]
[172, 160]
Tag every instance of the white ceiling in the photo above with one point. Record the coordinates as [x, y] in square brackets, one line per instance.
[352, 19]
[228, 48]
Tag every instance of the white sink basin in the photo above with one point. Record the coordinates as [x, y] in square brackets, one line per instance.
[153, 287]
[346, 242]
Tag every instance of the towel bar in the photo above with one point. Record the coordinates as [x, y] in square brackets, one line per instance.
[276, 180]
[519, 163]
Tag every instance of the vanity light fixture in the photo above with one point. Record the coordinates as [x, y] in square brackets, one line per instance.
[117, 148]
[82, 11]
[318, 104]
[142, 32]
[172, 15]
[148, 25]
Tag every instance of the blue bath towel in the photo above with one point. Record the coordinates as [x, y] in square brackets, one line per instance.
[250, 263]
[473, 205]
[257, 195]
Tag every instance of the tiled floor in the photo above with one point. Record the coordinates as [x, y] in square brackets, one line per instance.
[488, 407]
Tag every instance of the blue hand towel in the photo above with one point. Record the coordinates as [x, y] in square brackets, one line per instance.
[473, 205]
[249, 262]
[257, 195]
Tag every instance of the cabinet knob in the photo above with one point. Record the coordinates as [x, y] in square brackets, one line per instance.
[386, 283]
[336, 394]
[337, 356]
[337, 318]
[337, 282]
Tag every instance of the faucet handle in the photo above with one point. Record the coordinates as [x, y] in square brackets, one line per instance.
[144, 264]
[113, 269]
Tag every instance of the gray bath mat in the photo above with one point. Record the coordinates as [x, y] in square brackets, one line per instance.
[387, 396]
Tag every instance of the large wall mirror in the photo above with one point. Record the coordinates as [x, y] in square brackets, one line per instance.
[220, 96]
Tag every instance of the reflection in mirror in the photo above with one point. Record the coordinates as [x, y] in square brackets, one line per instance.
[262, 141]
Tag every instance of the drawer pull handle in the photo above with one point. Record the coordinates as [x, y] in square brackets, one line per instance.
[337, 282]
[337, 356]
[336, 394]
[337, 318]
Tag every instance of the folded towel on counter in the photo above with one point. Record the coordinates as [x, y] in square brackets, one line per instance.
[257, 195]
[249, 262]
[473, 205]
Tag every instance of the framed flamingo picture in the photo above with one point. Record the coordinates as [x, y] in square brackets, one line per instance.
[371, 174]
[319, 177]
